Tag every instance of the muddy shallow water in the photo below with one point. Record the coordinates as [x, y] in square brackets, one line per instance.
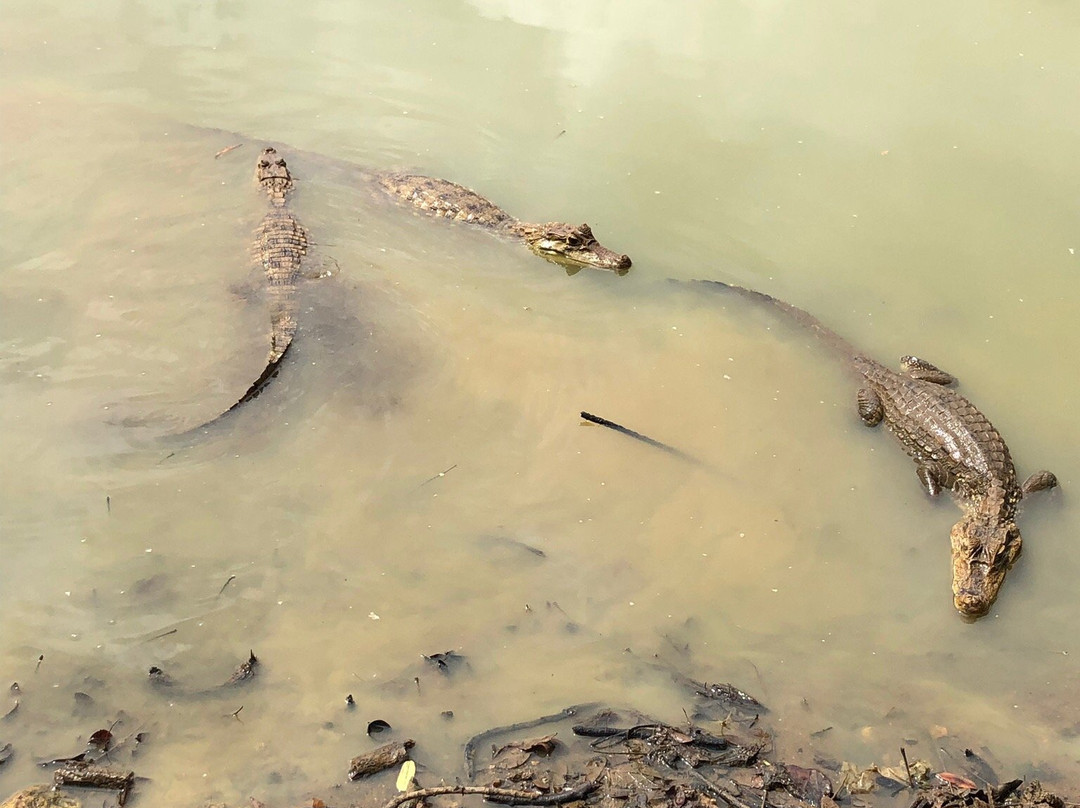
[906, 174]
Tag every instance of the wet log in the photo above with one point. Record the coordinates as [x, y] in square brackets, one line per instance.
[86, 775]
[377, 760]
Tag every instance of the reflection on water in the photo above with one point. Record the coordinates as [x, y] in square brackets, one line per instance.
[418, 479]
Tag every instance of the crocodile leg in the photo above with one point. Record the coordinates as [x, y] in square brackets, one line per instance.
[931, 478]
[1039, 481]
[923, 371]
[871, 410]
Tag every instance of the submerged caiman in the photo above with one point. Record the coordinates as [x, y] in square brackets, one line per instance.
[558, 242]
[279, 247]
[954, 446]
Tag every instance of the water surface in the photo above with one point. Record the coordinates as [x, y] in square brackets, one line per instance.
[906, 173]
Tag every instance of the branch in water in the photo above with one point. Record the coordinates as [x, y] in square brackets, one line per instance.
[596, 419]
[503, 796]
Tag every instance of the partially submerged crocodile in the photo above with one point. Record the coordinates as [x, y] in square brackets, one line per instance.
[954, 447]
[555, 241]
[279, 247]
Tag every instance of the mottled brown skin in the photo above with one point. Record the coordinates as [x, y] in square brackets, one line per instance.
[954, 446]
[281, 243]
[279, 247]
[555, 241]
[40, 796]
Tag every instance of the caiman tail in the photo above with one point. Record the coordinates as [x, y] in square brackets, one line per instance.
[279, 246]
[830, 338]
[269, 372]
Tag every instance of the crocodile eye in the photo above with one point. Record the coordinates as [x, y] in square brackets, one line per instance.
[574, 240]
[264, 164]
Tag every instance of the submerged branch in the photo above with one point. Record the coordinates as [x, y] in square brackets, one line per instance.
[503, 796]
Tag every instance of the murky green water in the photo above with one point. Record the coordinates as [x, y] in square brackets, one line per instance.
[907, 173]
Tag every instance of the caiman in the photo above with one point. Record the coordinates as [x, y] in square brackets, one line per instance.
[560, 243]
[279, 247]
[954, 446]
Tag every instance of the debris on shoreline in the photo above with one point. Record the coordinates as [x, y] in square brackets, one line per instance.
[594, 756]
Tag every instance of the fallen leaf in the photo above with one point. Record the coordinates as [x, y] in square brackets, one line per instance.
[811, 785]
[510, 758]
[937, 731]
[406, 775]
[956, 780]
[541, 746]
[244, 671]
[100, 739]
[920, 771]
[445, 661]
[856, 780]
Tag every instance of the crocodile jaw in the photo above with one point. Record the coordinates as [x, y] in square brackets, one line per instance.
[983, 550]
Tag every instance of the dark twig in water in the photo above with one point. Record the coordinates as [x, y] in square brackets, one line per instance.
[236, 714]
[503, 796]
[596, 419]
[108, 504]
[229, 581]
[162, 634]
[907, 767]
[440, 474]
[227, 149]
[40, 659]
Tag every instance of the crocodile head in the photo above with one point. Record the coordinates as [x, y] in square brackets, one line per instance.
[984, 547]
[272, 173]
[575, 246]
